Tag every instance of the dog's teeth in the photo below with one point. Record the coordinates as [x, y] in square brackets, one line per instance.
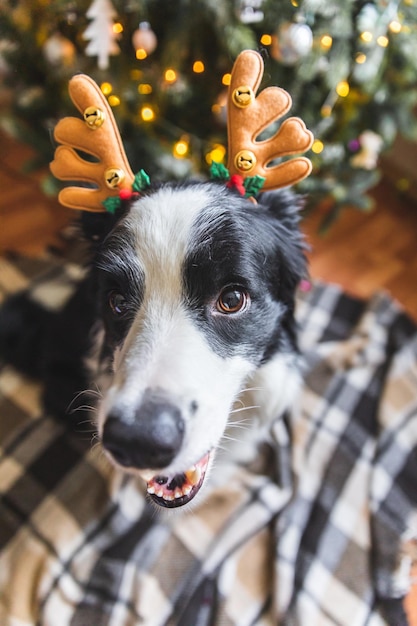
[159, 493]
[179, 493]
[169, 496]
[150, 489]
[187, 489]
[193, 475]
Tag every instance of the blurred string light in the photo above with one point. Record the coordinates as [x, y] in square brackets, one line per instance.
[147, 113]
[106, 88]
[366, 36]
[198, 67]
[170, 75]
[382, 41]
[326, 42]
[266, 39]
[317, 147]
[342, 88]
[395, 26]
[144, 89]
[181, 147]
[114, 100]
[216, 154]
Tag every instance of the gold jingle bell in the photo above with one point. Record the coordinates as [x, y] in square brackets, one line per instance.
[93, 117]
[243, 96]
[114, 177]
[245, 161]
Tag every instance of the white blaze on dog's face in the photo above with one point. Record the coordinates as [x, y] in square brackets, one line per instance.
[188, 315]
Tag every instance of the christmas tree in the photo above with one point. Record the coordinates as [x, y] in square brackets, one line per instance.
[349, 65]
[101, 33]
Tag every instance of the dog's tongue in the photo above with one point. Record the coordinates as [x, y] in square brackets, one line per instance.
[177, 490]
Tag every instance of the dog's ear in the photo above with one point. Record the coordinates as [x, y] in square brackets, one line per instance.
[285, 205]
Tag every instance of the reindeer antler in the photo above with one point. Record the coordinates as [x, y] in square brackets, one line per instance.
[249, 115]
[98, 136]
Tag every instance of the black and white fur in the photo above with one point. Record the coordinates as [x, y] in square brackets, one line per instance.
[189, 301]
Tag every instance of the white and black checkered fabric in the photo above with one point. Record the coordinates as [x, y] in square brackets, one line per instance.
[320, 535]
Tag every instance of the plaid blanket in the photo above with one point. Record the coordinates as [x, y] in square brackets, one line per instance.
[319, 533]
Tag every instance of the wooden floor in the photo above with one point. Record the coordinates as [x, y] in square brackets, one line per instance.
[363, 253]
[29, 222]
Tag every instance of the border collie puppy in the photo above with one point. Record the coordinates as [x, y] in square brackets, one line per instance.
[185, 316]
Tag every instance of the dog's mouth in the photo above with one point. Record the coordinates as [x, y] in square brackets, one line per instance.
[179, 489]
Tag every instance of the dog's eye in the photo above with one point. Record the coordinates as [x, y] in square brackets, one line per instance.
[232, 300]
[118, 303]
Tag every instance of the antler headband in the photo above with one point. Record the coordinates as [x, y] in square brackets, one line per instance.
[97, 135]
[248, 161]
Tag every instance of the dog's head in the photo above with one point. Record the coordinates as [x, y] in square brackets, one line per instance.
[196, 293]
[196, 283]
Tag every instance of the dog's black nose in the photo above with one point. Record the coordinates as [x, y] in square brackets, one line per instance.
[150, 440]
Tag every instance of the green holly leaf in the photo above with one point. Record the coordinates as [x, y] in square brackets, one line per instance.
[141, 182]
[111, 204]
[253, 184]
[218, 171]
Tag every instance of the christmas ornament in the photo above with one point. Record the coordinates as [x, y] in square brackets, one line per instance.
[58, 50]
[370, 146]
[100, 32]
[354, 145]
[291, 43]
[144, 38]
[250, 11]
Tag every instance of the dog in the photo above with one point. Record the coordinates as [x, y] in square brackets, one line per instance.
[184, 318]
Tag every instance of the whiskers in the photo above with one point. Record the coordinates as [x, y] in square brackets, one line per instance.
[88, 425]
[242, 424]
[243, 407]
[86, 392]
[96, 448]
[73, 407]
